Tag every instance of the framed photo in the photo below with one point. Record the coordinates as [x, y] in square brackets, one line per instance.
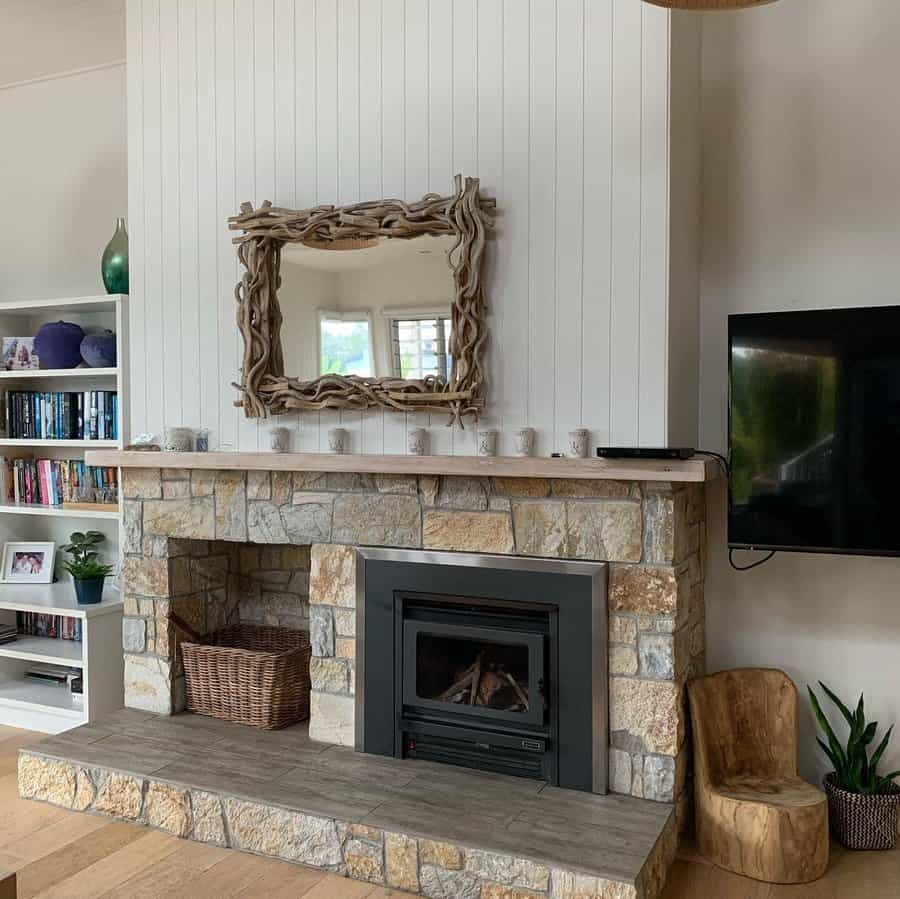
[19, 354]
[28, 562]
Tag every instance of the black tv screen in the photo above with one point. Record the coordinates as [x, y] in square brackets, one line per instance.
[814, 431]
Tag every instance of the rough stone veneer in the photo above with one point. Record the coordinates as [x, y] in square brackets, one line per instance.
[437, 870]
[183, 552]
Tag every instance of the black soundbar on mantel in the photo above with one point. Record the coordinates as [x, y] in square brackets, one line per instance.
[637, 452]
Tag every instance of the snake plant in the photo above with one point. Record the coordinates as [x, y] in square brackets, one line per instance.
[856, 772]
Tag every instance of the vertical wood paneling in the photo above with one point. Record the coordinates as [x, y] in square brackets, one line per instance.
[596, 285]
[624, 350]
[136, 208]
[559, 106]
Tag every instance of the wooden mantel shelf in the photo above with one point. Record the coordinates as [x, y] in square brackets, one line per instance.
[693, 471]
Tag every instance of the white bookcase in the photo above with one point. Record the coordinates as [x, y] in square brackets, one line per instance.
[24, 702]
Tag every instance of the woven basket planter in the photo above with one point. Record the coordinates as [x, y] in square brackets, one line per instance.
[863, 822]
[250, 674]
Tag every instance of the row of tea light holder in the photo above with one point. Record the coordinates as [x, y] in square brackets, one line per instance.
[417, 441]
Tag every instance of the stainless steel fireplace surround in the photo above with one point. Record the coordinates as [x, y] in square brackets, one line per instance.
[538, 626]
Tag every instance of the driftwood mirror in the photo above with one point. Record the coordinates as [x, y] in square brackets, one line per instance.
[373, 315]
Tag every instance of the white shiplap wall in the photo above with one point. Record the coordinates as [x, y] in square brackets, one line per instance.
[561, 107]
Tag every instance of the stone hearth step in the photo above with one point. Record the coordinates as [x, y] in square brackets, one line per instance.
[435, 830]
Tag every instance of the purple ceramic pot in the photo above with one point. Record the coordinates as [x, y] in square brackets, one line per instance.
[99, 350]
[58, 345]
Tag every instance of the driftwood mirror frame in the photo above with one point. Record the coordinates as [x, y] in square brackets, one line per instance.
[266, 389]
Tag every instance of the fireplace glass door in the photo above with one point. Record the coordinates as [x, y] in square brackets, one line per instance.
[487, 671]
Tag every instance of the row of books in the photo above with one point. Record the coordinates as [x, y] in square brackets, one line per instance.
[8, 634]
[40, 624]
[51, 482]
[92, 415]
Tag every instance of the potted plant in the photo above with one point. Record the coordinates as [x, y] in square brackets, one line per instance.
[862, 804]
[85, 567]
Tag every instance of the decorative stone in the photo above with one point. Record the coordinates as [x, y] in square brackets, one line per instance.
[569, 885]
[540, 529]
[176, 489]
[176, 474]
[132, 526]
[507, 869]
[378, 519]
[141, 483]
[609, 531]
[345, 622]
[331, 718]
[439, 883]
[180, 575]
[396, 483]
[329, 675]
[264, 524]
[208, 573]
[208, 818]
[364, 861]
[134, 634]
[463, 493]
[645, 715]
[535, 488]
[203, 483]
[659, 527]
[193, 519]
[85, 791]
[46, 779]
[231, 506]
[401, 862]
[282, 486]
[444, 855]
[345, 647]
[622, 630]
[321, 631]
[659, 778]
[499, 504]
[364, 832]
[657, 653]
[146, 577]
[148, 684]
[499, 891]
[623, 660]
[619, 771]
[310, 480]
[120, 796]
[595, 489]
[259, 485]
[643, 590]
[168, 808]
[489, 532]
[332, 577]
[349, 481]
[289, 835]
[429, 485]
[308, 520]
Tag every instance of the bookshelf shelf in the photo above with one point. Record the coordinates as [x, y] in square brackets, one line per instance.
[25, 702]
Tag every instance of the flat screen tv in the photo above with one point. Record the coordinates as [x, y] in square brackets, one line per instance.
[814, 431]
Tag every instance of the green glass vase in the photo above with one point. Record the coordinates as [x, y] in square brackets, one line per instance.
[114, 264]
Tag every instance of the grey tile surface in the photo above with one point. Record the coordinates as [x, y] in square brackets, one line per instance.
[609, 836]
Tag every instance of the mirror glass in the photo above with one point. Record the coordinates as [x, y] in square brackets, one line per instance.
[380, 308]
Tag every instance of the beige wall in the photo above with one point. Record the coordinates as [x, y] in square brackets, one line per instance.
[801, 210]
[63, 153]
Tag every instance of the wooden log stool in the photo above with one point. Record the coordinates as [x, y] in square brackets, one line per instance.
[754, 814]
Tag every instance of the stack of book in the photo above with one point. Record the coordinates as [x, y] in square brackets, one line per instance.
[92, 415]
[51, 482]
[8, 633]
[40, 624]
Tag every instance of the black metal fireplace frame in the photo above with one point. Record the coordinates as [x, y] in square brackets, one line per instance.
[574, 592]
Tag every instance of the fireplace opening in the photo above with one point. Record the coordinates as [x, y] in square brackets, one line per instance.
[475, 681]
[489, 662]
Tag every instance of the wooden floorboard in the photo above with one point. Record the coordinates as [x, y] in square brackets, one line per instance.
[66, 855]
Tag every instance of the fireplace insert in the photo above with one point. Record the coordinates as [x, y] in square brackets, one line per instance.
[489, 662]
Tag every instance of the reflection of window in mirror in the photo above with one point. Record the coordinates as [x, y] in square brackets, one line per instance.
[420, 343]
[345, 343]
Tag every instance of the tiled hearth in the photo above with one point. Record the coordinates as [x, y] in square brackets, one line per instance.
[279, 547]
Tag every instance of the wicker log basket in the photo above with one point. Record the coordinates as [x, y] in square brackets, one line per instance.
[863, 822]
[250, 674]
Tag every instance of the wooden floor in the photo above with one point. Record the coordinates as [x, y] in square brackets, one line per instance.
[66, 855]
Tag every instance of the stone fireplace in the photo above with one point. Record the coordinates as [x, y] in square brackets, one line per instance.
[213, 546]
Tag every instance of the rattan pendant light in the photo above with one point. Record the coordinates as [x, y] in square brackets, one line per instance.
[700, 5]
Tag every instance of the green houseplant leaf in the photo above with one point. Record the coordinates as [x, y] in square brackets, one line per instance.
[855, 771]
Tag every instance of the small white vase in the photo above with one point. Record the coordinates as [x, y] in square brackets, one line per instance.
[337, 440]
[417, 442]
[524, 442]
[578, 443]
[487, 442]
